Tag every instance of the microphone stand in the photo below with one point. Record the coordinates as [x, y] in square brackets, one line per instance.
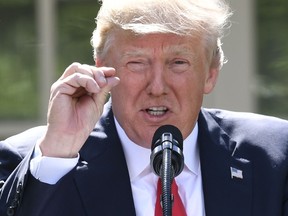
[166, 174]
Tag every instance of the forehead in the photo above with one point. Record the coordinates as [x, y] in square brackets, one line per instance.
[131, 44]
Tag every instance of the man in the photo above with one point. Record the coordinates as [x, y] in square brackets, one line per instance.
[158, 59]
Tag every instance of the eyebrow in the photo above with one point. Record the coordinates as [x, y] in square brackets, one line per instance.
[176, 50]
[134, 53]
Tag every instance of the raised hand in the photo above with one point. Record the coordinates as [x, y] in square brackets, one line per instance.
[75, 105]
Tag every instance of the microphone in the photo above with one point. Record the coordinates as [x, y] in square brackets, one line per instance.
[167, 137]
[167, 161]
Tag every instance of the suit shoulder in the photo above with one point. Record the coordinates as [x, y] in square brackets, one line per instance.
[24, 141]
[258, 133]
[246, 118]
[250, 127]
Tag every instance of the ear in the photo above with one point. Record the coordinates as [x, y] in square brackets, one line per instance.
[211, 79]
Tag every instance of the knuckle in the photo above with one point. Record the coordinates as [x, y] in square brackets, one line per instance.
[71, 69]
[53, 87]
[75, 65]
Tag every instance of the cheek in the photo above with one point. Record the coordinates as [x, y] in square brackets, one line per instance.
[126, 92]
[191, 85]
[130, 83]
[190, 93]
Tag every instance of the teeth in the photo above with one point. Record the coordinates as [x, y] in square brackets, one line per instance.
[156, 111]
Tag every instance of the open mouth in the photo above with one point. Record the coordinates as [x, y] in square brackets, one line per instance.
[157, 111]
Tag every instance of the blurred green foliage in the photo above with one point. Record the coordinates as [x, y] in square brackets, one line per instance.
[19, 97]
[272, 53]
[18, 46]
[76, 23]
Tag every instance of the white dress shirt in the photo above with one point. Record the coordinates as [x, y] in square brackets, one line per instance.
[143, 180]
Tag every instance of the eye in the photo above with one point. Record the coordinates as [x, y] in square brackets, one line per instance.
[179, 62]
[179, 65]
[137, 66]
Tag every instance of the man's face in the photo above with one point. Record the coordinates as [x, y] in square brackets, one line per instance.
[162, 81]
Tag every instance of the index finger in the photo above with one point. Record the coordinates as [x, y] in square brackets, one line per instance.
[101, 74]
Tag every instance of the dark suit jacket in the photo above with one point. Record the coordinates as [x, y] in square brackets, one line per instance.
[253, 146]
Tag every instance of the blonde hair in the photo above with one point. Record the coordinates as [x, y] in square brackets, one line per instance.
[196, 18]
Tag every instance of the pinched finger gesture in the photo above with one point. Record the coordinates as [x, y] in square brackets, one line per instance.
[76, 104]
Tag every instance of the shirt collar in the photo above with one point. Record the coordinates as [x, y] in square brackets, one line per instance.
[138, 158]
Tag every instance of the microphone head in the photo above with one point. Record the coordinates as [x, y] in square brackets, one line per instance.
[177, 135]
[167, 136]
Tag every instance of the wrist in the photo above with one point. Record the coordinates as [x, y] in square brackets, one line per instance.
[58, 148]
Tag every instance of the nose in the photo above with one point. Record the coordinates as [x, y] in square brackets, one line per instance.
[157, 82]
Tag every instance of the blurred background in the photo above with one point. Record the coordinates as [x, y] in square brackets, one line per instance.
[40, 38]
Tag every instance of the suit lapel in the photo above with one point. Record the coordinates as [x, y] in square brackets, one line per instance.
[227, 180]
[102, 175]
